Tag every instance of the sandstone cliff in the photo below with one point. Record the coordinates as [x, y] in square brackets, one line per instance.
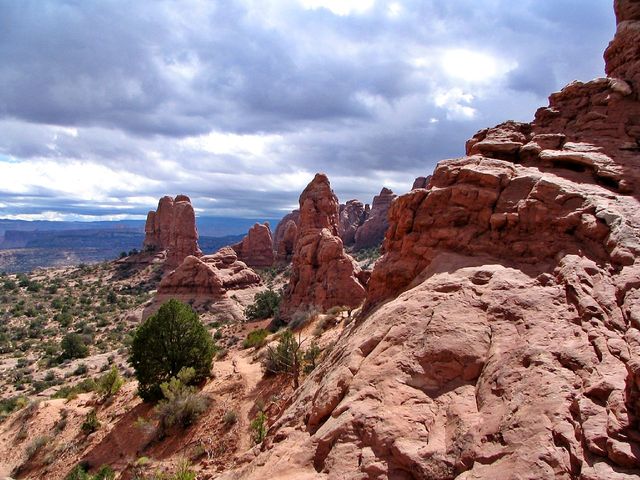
[322, 274]
[501, 333]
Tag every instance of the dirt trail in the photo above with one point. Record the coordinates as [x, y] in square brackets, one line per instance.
[251, 373]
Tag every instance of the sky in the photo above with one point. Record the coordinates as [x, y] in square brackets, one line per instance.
[107, 105]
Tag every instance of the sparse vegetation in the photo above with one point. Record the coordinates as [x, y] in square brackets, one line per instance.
[259, 427]
[301, 318]
[110, 383]
[230, 418]
[265, 305]
[256, 338]
[91, 422]
[172, 339]
[182, 404]
[73, 346]
[80, 473]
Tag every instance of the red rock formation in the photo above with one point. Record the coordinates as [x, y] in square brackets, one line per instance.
[502, 336]
[208, 277]
[421, 182]
[284, 229]
[371, 233]
[256, 249]
[172, 227]
[322, 274]
[288, 242]
[351, 217]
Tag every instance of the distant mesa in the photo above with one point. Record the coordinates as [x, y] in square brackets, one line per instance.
[172, 227]
[256, 248]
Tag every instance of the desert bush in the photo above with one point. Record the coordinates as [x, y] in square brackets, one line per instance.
[69, 392]
[10, 405]
[259, 427]
[91, 422]
[230, 418]
[81, 369]
[256, 338]
[311, 356]
[79, 472]
[182, 404]
[110, 383]
[36, 445]
[172, 339]
[302, 317]
[265, 305]
[286, 357]
[73, 346]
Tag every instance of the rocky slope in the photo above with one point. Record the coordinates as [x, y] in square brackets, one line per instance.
[501, 336]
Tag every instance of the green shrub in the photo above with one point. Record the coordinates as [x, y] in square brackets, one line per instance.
[259, 427]
[172, 339]
[182, 404]
[110, 383]
[73, 346]
[10, 405]
[80, 473]
[85, 386]
[265, 305]
[91, 422]
[256, 338]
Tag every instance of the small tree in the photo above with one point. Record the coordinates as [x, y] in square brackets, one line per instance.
[110, 383]
[172, 339]
[286, 357]
[73, 346]
[182, 404]
[265, 305]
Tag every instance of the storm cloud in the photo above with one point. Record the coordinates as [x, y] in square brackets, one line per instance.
[107, 105]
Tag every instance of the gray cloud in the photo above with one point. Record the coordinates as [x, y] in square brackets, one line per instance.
[238, 103]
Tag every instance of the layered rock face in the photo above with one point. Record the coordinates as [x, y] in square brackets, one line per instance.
[210, 276]
[501, 337]
[372, 231]
[256, 249]
[284, 237]
[322, 274]
[172, 227]
[351, 216]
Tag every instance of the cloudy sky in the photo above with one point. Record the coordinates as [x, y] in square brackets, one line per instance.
[107, 105]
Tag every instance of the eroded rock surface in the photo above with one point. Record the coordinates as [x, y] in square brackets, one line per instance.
[501, 333]
[352, 215]
[322, 274]
[256, 249]
[208, 277]
[372, 231]
[284, 237]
